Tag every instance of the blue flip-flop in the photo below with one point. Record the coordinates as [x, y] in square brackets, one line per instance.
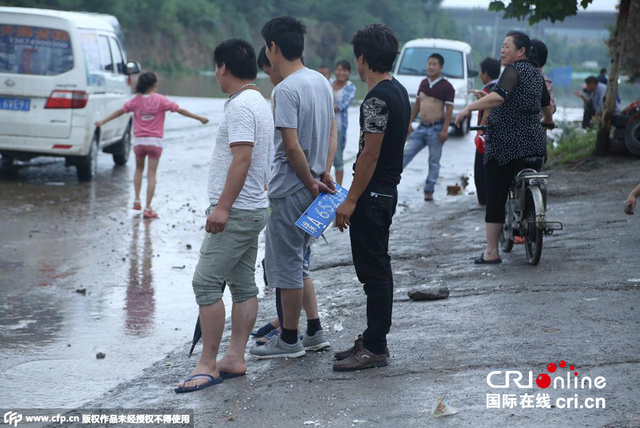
[227, 375]
[212, 381]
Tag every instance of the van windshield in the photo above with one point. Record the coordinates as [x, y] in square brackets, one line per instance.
[414, 62]
[34, 50]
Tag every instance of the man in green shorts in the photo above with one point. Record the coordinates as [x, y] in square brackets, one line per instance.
[237, 213]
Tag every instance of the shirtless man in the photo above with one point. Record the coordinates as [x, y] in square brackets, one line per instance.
[435, 105]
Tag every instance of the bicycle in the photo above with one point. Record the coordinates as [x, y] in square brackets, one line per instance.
[526, 207]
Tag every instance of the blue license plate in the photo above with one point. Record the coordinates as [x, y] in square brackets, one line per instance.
[18, 104]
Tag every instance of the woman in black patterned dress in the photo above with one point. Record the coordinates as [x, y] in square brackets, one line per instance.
[514, 130]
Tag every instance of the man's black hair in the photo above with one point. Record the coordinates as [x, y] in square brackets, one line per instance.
[344, 64]
[238, 57]
[491, 67]
[286, 32]
[263, 61]
[603, 71]
[378, 45]
[539, 53]
[146, 81]
[521, 40]
[439, 57]
[591, 79]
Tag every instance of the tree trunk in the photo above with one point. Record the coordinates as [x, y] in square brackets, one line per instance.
[617, 50]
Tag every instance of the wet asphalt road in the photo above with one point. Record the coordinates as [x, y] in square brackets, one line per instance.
[579, 305]
[82, 273]
[59, 237]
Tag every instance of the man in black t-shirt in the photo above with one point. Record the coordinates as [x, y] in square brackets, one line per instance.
[384, 120]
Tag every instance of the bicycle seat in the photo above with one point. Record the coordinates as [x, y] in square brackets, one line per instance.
[530, 162]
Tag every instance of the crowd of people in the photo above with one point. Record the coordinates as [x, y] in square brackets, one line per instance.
[271, 161]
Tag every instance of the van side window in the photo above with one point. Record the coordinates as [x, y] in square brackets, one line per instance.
[117, 55]
[105, 54]
[91, 49]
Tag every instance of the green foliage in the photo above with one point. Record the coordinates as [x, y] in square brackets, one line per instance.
[572, 145]
[178, 34]
[539, 10]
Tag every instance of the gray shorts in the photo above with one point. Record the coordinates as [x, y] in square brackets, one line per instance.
[230, 256]
[286, 244]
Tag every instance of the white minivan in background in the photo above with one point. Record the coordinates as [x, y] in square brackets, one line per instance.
[411, 68]
[60, 72]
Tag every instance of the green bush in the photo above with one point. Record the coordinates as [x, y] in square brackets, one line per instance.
[572, 144]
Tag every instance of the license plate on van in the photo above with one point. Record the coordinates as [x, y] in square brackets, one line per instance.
[17, 104]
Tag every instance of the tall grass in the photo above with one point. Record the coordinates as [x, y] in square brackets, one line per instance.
[572, 144]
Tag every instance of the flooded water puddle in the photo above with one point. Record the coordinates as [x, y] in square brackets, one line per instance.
[81, 273]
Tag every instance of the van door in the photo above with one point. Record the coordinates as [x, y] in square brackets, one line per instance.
[121, 87]
[112, 97]
[34, 60]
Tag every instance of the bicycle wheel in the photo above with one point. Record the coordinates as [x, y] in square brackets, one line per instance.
[533, 234]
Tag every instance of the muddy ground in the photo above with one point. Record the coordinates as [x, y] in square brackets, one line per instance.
[580, 304]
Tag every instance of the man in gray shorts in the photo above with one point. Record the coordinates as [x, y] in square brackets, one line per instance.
[238, 212]
[303, 104]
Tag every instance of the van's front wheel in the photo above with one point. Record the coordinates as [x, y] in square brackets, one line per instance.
[87, 168]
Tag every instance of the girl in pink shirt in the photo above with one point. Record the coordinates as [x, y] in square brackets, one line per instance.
[148, 109]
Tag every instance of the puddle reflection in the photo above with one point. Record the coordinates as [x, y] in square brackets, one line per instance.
[140, 301]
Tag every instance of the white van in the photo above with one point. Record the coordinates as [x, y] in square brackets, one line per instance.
[411, 68]
[60, 72]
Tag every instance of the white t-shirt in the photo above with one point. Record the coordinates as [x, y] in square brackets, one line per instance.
[247, 118]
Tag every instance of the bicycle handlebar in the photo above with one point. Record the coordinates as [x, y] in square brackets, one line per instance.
[485, 127]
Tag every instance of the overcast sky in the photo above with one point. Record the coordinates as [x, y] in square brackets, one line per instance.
[596, 5]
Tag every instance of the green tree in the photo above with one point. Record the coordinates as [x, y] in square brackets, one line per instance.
[170, 35]
[539, 10]
[620, 44]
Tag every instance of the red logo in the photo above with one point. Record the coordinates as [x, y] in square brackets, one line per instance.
[544, 381]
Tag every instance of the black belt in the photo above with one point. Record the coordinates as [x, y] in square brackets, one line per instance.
[430, 124]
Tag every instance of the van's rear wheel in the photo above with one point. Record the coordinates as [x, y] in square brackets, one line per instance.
[121, 154]
[87, 168]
